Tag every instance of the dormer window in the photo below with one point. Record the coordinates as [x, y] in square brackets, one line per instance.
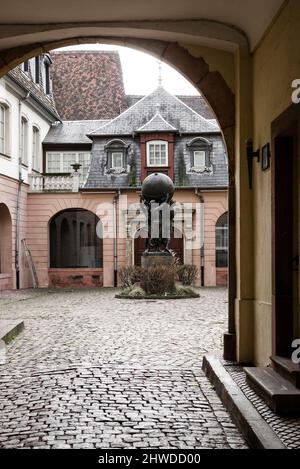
[157, 153]
[199, 159]
[116, 157]
[117, 160]
[200, 151]
[37, 69]
[26, 66]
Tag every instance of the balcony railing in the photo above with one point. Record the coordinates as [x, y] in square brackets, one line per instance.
[55, 183]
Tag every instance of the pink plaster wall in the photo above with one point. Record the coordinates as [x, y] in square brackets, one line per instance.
[216, 204]
[8, 196]
[42, 207]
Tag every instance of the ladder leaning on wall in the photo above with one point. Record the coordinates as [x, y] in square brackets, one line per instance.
[31, 265]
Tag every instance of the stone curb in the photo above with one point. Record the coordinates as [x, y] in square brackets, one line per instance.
[10, 329]
[253, 427]
[169, 297]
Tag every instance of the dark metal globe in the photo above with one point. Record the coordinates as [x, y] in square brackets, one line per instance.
[158, 187]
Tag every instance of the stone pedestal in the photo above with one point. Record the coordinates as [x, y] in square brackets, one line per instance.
[151, 259]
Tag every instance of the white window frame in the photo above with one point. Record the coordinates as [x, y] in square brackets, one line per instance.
[36, 154]
[3, 130]
[203, 154]
[24, 141]
[113, 155]
[157, 142]
[61, 154]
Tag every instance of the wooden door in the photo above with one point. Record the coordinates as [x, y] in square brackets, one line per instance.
[176, 245]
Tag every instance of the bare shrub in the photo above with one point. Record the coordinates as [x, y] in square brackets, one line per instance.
[187, 274]
[129, 276]
[158, 280]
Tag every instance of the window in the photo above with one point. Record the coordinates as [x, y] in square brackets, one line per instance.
[47, 78]
[2, 128]
[37, 69]
[117, 160]
[26, 66]
[157, 153]
[200, 150]
[222, 241]
[24, 141]
[60, 162]
[74, 242]
[199, 159]
[116, 157]
[35, 149]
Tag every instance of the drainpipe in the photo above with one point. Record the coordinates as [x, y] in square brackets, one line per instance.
[115, 215]
[20, 182]
[201, 200]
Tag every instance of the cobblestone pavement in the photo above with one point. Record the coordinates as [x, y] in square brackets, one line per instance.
[91, 371]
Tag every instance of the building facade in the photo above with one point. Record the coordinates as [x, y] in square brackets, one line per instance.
[88, 180]
[27, 111]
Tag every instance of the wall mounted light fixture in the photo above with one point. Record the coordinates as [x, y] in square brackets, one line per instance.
[250, 155]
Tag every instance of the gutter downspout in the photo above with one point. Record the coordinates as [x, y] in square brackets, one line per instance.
[20, 182]
[115, 205]
[201, 200]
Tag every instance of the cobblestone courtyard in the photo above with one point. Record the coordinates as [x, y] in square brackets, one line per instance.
[91, 371]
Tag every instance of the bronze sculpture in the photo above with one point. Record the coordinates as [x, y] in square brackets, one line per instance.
[158, 207]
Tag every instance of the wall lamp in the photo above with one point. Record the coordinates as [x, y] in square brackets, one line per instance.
[250, 155]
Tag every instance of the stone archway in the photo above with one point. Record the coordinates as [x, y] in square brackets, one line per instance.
[76, 251]
[5, 248]
[212, 86]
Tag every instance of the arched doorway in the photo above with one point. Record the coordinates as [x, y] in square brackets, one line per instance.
[76, 251]
[176, 246]
[5, 248]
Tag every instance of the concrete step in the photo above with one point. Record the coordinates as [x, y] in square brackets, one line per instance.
[287, 369]
[279, 393]
[9, 329]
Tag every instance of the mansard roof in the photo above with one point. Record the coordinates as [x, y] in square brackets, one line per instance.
[69, 132]
[175, 112]
[87, 84]
[157, 124]
[36, 91]
[197, 103]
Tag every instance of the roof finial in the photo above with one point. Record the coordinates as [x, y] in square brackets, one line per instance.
[159, 73]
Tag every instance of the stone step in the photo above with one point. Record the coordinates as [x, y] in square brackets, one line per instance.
[287, 369]
[279, 393]
[9, 329]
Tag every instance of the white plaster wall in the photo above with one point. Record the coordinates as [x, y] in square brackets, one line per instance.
[9, 166]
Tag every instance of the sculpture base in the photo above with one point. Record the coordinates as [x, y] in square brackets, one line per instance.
[150, 259]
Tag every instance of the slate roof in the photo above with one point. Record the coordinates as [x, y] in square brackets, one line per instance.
[157, 124]
[174, 111]
[25, 81]
[197, 103]
[68, 132]
[87, 84]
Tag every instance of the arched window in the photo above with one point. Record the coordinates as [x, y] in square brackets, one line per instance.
[222, 241]
[74, 241]
[200, 150]
[4, 129]
[24, 141]
[116, 156]
[36, 149]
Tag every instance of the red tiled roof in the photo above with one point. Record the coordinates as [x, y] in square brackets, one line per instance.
[87, 85]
